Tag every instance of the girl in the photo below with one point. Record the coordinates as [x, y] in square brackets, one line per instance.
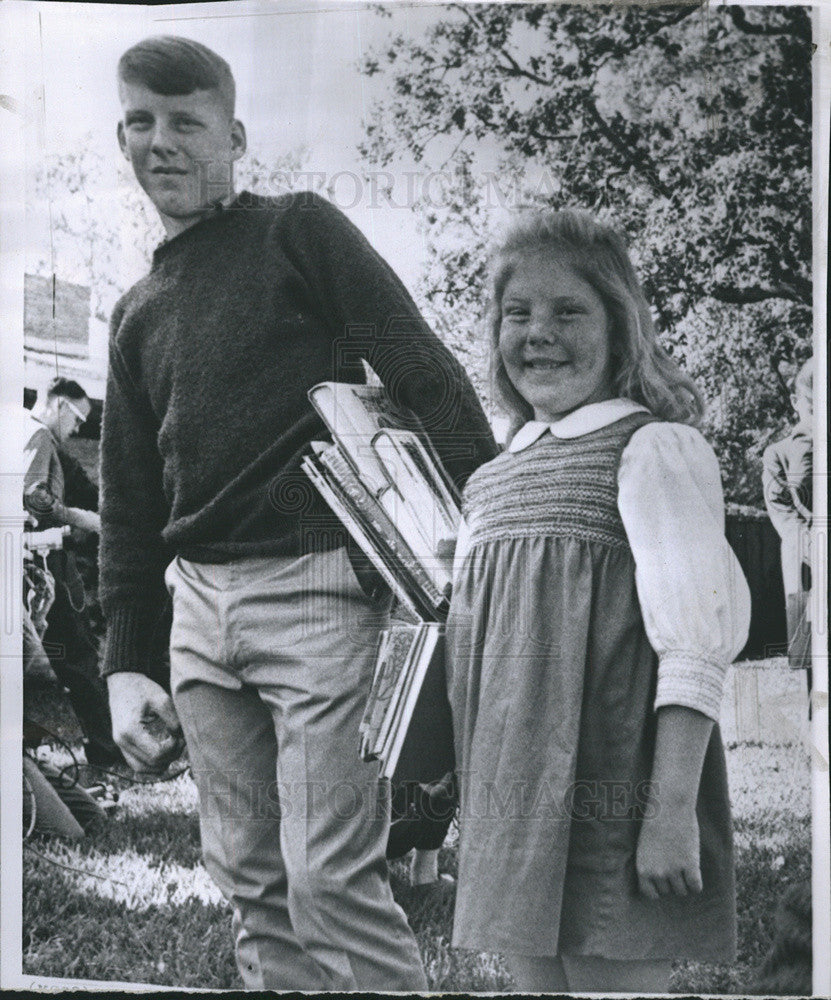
[596, 607]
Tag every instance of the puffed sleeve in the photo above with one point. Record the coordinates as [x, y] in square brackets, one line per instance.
[693, 595]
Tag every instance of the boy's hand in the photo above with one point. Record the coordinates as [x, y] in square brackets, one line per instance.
[667, 858]
[145, 725]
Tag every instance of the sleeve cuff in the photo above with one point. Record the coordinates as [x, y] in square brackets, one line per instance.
[124, 648]
[693, 681]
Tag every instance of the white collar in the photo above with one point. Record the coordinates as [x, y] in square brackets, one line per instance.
[583, 420]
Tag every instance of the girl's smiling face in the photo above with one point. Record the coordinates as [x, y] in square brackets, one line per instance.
[554, 336]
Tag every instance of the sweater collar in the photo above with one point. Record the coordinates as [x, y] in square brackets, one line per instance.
[212, 213]
[583, 420]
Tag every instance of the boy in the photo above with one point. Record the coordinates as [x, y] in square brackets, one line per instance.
[249, 302]
[787, 483]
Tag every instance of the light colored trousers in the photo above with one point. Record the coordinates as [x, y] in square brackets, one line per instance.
[271, 662]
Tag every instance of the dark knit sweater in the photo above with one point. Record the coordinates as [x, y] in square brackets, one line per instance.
[207, 418]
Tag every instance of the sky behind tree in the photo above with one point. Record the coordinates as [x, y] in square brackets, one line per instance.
[298, 87]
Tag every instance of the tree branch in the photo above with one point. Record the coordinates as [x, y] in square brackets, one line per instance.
[739, 18]
[513, 68]
[636, 160]
[562, 137]
[449, 158]
[732, 295]
[680, 16]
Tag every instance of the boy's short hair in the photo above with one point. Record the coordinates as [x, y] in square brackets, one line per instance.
[167, 64]
[67, 387]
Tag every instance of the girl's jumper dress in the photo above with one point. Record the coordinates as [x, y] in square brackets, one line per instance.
[568, 584]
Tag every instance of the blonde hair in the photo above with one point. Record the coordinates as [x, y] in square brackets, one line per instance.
[641, 369]
[168, 64]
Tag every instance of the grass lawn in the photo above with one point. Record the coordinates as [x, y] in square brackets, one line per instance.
[141, 908]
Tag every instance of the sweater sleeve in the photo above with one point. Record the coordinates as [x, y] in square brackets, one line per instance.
[43, 484]
[39, 469]
[133, 555]
[786, 481]
[372, 316]
[693, 596]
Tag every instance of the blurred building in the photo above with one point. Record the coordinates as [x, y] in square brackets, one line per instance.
[56, 317]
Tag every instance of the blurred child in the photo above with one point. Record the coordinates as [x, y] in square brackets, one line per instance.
[596, 607]
[787, 470]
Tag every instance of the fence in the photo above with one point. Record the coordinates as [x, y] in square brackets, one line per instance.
[756, 544]
[762, 705]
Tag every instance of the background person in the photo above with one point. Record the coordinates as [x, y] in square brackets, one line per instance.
[787, 483]
[62, 413]
[71, 647]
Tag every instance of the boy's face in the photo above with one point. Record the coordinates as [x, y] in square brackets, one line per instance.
[181, 147]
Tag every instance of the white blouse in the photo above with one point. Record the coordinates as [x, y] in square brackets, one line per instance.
[693, 595]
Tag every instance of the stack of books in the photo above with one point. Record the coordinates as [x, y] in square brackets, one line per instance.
[385, 483]
[405, 655]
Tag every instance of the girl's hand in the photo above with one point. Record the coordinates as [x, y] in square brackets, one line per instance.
[667, 858]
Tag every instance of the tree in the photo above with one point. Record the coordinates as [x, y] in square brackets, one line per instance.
[103, 229]
[687, 126]
[98, 225]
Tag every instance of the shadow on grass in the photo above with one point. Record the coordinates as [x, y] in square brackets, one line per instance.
[70, 934]
[430, 915]
[160, 836]
[764, 874]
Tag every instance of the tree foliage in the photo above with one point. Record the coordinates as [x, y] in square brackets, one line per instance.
[103, 229]
[689, 127]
